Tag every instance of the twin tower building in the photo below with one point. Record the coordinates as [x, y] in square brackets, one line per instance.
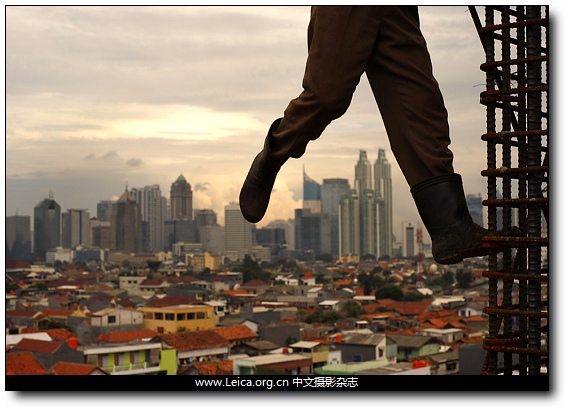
[343, 220]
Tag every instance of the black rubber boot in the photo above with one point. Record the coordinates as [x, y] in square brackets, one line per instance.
[442, 206]
[256, 191]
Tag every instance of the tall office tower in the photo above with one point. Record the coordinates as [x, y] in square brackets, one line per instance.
[288, 226]
[312, 192]
[18, 237]
[181, 199]
[126, 224]
[76, 228]
[153, 209]
[46, 226]
[475, 205]
[332, 191]
[179, 231]
[104, 211]
[100, 233]
[363, 179]
[213, 239]
[204, 217]
[383, 188]
[311, 232]
[409, 240]
[368, 226]
[349, 224]
[274, 239]
[239, 236]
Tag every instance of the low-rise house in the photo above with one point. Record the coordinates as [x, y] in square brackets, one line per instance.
[134, 358]
[76, 369]
[285, 363]
[444, 335]
[22, 363]
[257, 287]
[190, 317]
[254, 348]
[281, 333]
[236, 334]
[414, 346]
[446, 363]
[115, 318]
[198, 346]
[361, 347]
[317, 351]
[48, 353]
[221, 368]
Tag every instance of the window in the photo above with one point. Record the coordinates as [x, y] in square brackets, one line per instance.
[181, 317]
[169, 316]
[111, 319]
[200, 315]
[190, 315]
[159, 315]
[381, 353]
[451, 366]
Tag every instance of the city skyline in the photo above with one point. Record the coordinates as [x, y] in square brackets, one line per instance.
[94, 103]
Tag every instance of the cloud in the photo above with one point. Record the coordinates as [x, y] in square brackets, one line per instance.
[134, 162]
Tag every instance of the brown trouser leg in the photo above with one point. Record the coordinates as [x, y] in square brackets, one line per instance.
[386, 43]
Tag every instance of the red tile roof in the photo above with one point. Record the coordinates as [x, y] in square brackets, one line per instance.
[169, 301]
[59, 334]
[35, 345]
[128, 336]
[183, 341]
[56, 312]
[235, 333]
[22, 363]
[235, 292]
[223, 368]
[74, 369]
[410, 307]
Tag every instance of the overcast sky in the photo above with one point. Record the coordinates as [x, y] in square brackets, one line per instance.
[98, 98]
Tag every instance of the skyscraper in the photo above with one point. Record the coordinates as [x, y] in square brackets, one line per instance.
[126, 222]
[181, 199]
[46, 226]
[333, 189]
[363, 179]
[153, 208]
[366, 211]
[312, 192]
[76, 228]
[18, 237]
[311, 231]
[239, 237]
[409, 240]
[104, 211]
[383, 189]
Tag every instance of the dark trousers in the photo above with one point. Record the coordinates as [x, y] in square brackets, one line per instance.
[386, 43]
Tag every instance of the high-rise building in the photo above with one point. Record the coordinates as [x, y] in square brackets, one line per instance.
[312, 192]
[383, 189]
[333, 189]
[179, 231]
[76, 228]
[153, 208]
[181, 199]
[126, 224]
[475, 205]
[100, 234]
[409, 240]
[104, 211]
[311, 232]
[204, 217]
[238, 232]
[363, 179]
[46, 226]
[18, 237]
[349, 224]
[288, 227]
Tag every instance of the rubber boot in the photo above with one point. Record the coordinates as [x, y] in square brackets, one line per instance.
[256, 191]
[442, 206]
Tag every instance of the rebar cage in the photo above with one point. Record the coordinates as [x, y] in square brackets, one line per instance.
[515, 41]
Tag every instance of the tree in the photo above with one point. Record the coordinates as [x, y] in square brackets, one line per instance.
[464, 278]
[153, 265]
[389, 291]
[353, 309]
[251, 270]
